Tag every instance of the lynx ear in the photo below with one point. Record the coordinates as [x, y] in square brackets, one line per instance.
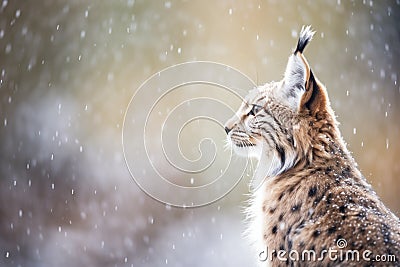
[315, 98]
[301, 89]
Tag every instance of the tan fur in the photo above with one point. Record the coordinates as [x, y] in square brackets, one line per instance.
[314, 194]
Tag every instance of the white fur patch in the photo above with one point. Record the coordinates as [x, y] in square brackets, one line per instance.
[294, 82]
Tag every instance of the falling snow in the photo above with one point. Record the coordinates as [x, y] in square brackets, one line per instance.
[67, 73]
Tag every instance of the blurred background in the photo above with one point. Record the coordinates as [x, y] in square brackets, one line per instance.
[68, 70]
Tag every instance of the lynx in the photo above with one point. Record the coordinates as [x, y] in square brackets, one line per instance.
[314, 207]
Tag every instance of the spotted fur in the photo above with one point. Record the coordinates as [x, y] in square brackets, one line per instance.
[313, 195]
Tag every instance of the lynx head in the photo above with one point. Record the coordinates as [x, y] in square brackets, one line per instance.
[273, 122]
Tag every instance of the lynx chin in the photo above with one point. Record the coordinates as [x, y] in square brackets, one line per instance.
[313, 194]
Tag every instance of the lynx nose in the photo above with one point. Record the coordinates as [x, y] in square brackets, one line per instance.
[227, 130]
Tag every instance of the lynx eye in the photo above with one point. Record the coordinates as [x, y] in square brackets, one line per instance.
[254, 110]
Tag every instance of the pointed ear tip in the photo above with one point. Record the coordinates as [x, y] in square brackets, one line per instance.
[307, 30]
[305, 36]
[296, 70]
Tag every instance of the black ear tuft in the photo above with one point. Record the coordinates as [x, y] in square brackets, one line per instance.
[306, 35]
